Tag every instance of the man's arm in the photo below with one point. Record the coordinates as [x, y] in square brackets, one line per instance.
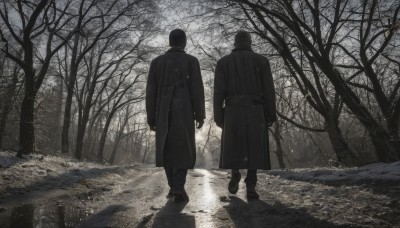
[269, 93]
[219, 96]
[197, 93]
[151, 96]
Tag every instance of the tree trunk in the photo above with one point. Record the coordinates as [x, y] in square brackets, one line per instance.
[147, 146]
[344, 154]
[67, 121]
[279, 150]
[84, 120]
[70, 92]
[93, 128]
[115, 147]
[103, 138]
[146, 149]
[93, 135]
[7, 105]
[119, 135]
[139, 145]
[3, 123]
[134, 144]
[59, 113]
[385, 147]
[81, 134]
[393, 127]
[27, 130]
[79, 142]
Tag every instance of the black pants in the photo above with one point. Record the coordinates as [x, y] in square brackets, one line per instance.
[176, 178]
[251, 177]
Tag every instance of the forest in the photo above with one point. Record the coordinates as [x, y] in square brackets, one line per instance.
[73, 76]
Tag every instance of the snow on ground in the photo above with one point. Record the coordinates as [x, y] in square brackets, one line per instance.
[367, 196]
[19, 172]
[54, 186]
[36, 170]
[374, 173]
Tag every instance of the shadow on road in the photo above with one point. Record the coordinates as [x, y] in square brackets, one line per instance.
[170, 216]
[257, 213]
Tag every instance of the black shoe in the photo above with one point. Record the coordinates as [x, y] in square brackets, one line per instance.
[252, 194]
[233, 186]
[181, 197]
[170, 194]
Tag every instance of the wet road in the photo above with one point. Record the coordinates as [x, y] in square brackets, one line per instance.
[146, 204]
[133, 198]
[136, 197]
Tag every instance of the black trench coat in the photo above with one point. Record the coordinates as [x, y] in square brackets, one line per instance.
[174, 99]
[244, 102]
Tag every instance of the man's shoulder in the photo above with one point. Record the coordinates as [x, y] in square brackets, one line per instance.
[261, 57]
[256, 58]
[191, 57]
[164, 56]
[234, 55]
[225, 59]
[161, 59]
[158, 58]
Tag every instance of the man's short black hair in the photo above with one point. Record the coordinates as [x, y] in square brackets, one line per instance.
[242, 37]
[177, 37]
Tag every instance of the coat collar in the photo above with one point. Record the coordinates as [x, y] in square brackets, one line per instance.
[176, 49]
[241, 47]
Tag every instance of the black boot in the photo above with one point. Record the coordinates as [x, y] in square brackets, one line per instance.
[251, 182]
[170, 194]
[233, 185]
[181, 196]
[252, 193]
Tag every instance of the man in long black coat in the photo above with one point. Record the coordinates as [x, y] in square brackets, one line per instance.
[244, 107]
[174, 100]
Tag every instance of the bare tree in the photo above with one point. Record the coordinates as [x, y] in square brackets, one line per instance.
[98, 21]
[31, 26]
[117, 104]
[342, 43]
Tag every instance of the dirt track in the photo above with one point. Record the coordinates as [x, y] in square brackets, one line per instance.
[135, 197]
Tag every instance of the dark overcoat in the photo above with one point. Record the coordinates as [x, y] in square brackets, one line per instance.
[174, 99]
[244, 103]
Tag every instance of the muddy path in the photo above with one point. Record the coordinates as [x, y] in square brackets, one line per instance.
[136, 197]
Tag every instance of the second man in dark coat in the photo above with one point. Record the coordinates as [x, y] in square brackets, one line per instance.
[174, 100]
[244, 107]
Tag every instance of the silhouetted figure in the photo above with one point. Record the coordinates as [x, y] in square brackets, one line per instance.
[174, 100]
[244, 107]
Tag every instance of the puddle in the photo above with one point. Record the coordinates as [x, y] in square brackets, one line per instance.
[40, 216]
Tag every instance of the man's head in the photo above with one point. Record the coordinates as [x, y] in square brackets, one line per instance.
[177, 37]
[242, 38]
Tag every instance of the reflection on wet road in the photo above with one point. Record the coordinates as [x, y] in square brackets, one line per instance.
[30, 215]
[203, 188]
[204, 197]
[135, 201]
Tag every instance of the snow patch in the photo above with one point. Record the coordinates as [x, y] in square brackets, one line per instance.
[38, 171]
[8, 159]
[374, 173]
